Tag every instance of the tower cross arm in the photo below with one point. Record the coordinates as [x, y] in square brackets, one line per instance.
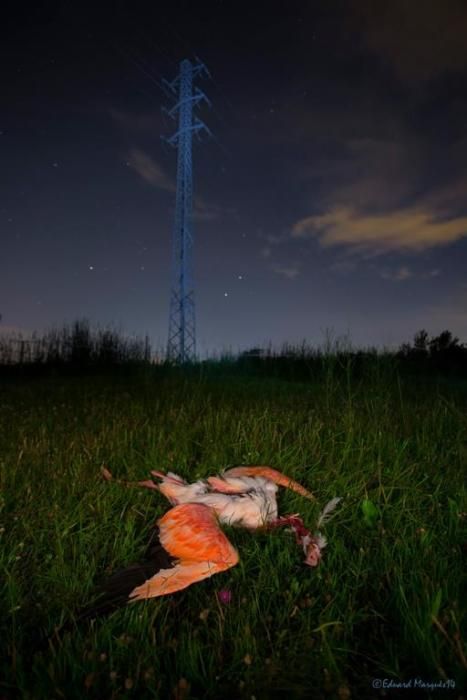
[197, 97]
[196, 127]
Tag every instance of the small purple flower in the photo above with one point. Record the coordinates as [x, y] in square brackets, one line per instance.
[224, 596]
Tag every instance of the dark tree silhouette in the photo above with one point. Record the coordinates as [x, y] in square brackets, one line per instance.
[421, 342]
[443, 342]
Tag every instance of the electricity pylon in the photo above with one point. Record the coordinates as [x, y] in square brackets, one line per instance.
[181, 346]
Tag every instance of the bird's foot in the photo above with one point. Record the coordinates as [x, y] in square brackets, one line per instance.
[148, 484]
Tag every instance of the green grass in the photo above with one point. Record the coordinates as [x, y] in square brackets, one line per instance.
[386, 601]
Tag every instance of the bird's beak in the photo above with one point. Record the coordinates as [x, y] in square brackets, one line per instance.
[313, 554]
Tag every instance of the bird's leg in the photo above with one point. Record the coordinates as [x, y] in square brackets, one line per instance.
[147, 483]
[173, 479]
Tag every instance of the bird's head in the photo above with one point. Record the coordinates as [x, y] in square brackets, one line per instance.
[312, 545]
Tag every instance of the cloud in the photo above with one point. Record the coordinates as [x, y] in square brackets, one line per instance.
[399, 274]
[450, 195]
[378, 195]
[205, 211]
[421, 41]
[343, 266]
[274, 239]
[291, 271]
[149, 170]
[412, 229]
[371, 173]
[360, 179]
[374, 159]
[402, 273]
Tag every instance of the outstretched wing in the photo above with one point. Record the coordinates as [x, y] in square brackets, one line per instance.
[190, 533]
[113, 592]
[186, 546]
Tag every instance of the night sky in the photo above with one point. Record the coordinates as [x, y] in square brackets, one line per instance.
[332, 197]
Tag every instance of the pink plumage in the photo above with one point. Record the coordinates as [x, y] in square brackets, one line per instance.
[190, 543]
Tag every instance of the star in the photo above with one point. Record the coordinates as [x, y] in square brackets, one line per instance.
[226, 294]
[91, 267]
[240, 277]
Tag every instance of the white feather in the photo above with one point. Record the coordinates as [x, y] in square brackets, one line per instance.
[321, 541]
[327, 510]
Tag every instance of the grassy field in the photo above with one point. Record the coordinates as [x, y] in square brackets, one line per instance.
[385, 603]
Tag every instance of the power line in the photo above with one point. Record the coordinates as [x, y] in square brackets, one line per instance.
[161, 86]
[139, 67]
[152, 41]
[187, 46]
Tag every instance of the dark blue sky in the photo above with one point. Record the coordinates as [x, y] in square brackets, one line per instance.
[333, 197]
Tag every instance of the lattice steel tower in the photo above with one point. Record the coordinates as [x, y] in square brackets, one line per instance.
[181, 346]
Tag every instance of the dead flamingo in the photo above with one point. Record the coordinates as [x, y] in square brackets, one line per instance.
[188, 543]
